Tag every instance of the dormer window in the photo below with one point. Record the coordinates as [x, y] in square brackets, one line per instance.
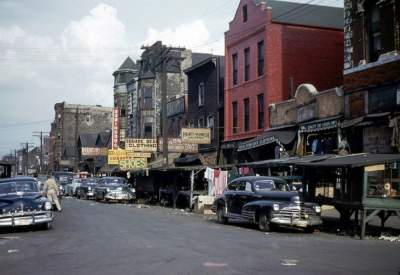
[244, 13]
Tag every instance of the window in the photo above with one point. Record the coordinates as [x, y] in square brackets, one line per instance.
[260, 101]
[210, 124]
[148, 130]
[201, 94]
[200, 122]
[248, 187]
[375, 33]
[246, 114]
[244, 13]
[383, 181]
[260, 64]
[246, 64]
[234, 117]
[235, 69]
[147, 98]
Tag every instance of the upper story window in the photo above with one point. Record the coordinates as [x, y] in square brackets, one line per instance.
[260, 61]
[200, 122]
[147, 97]
[210, 124]
[260, 99]
[244, 13]
[375, 43]
[235, 69]
[234, 117]
[246, 64]
[201, 93]
[246, 104]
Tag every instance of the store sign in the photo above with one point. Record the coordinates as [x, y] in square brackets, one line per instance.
[318, 126]
[115, 128]
[131, 155]
[141, 145]
[196, 135]
[132, 164]
[256, 143]
[94, 151]
[175, 145]
[374, 168]
[114, 156]
[176, 107]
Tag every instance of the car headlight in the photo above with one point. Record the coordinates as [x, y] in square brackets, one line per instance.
[317, 208]
[275, 207]
[89, 188]
[108, 190]
[47, 205]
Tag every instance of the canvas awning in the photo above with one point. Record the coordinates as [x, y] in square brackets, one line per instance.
[283, 137]
[363, 120]
[319, 125]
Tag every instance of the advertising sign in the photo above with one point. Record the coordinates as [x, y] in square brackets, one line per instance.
[196, 135]
[115, 128]
[114, 156]
[131, 154]
[175, 145]
[93, 151]
[134, 163]
[141, 145]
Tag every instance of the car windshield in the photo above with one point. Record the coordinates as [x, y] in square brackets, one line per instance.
[18, 186]
[90, 182]
[115, 187]
[114, 181]
[264, 185]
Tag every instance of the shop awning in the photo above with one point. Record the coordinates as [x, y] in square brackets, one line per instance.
[192, 159]
[319, 125]
[352, 161]
[282, 137]
[362, 121]
[282, 162]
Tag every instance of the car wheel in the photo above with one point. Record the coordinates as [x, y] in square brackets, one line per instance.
[263, 223]
[221, 215]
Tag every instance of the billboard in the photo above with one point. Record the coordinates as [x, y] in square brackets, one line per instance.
[141, 145]
[114, 156]
[196, 135]
[175, 145]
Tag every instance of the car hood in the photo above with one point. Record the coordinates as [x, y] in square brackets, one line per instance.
[24, 201]
[277, 195]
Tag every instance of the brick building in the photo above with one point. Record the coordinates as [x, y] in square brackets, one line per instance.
[272, 47]
[372, 75]
[70, 121]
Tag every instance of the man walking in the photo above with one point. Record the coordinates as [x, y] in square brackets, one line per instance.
[50, 188]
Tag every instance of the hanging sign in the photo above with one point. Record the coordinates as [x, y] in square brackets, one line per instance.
[94, 151]
[141, 145]
[115, 128]
[134, 163]
[196, 135]
[175, 145]
[114, 156]
[132, 154]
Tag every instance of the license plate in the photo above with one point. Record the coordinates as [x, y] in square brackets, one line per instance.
[23, 222]
[302, 223]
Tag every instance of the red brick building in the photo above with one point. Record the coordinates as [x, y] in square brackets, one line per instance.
[271, 48]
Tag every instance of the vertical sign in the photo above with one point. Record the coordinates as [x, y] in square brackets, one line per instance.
[115, 128]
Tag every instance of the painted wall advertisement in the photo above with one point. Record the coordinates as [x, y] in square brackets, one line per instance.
[196, 135]
[115, 128]
[141, 145]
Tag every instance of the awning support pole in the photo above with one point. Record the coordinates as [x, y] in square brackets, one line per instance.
[191, 188]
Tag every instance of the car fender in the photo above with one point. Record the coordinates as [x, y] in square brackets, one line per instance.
[258, 206]
[218, 202]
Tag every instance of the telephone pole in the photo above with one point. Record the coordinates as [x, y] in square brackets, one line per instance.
[26, 146]
[39, 134]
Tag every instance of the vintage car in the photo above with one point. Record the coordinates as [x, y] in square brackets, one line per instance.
[86, 189]
[266, 201]
[114, 189]
[22, 204]
[63, 179]
[71, 187]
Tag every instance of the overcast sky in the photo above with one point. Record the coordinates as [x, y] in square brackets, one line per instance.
[53, 51]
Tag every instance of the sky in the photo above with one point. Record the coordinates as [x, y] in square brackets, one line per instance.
[66, 50]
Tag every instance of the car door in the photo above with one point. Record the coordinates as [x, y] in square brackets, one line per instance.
[229, 194]
[243, 195]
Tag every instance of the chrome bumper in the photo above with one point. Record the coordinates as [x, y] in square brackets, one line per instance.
[25, 218]
[295, 222]
[118, 197]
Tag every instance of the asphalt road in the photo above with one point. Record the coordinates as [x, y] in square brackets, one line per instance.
[93, 238]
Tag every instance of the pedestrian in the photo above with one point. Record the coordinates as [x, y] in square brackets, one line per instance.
[50, 188]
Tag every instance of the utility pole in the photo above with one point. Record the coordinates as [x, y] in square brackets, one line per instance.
[26, 147]
[40, 135]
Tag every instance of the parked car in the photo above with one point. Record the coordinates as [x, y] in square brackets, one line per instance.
[41, 180]
[71, 187]
[113, 189]
[86, 189]
[266, 201]
[22, 204]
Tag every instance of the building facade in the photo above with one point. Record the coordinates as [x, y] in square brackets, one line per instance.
[372, 75]
[206, 102]
[125, 74]
[69, 122]
[270, 50]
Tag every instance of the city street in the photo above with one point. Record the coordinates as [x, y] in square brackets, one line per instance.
[94, 238]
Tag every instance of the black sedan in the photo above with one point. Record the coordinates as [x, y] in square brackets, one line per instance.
[266, 201]
[22, 204]
[86, 189]
[114, 189]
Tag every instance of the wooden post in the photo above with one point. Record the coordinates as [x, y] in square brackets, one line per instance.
[191, 188]
[363, 222]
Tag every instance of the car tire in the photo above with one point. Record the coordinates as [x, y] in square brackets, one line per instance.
[220, 215]
[263, 222]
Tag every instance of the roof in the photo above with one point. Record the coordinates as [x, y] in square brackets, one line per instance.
[306, 14]
[87, 140]
[205, 61]
[18, 178]
[198, 58]
[128, 64]
[254, 178]
[104, 139]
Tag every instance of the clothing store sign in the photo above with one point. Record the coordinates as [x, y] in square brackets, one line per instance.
[141, 145]
[175, 145]
[196, 135]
